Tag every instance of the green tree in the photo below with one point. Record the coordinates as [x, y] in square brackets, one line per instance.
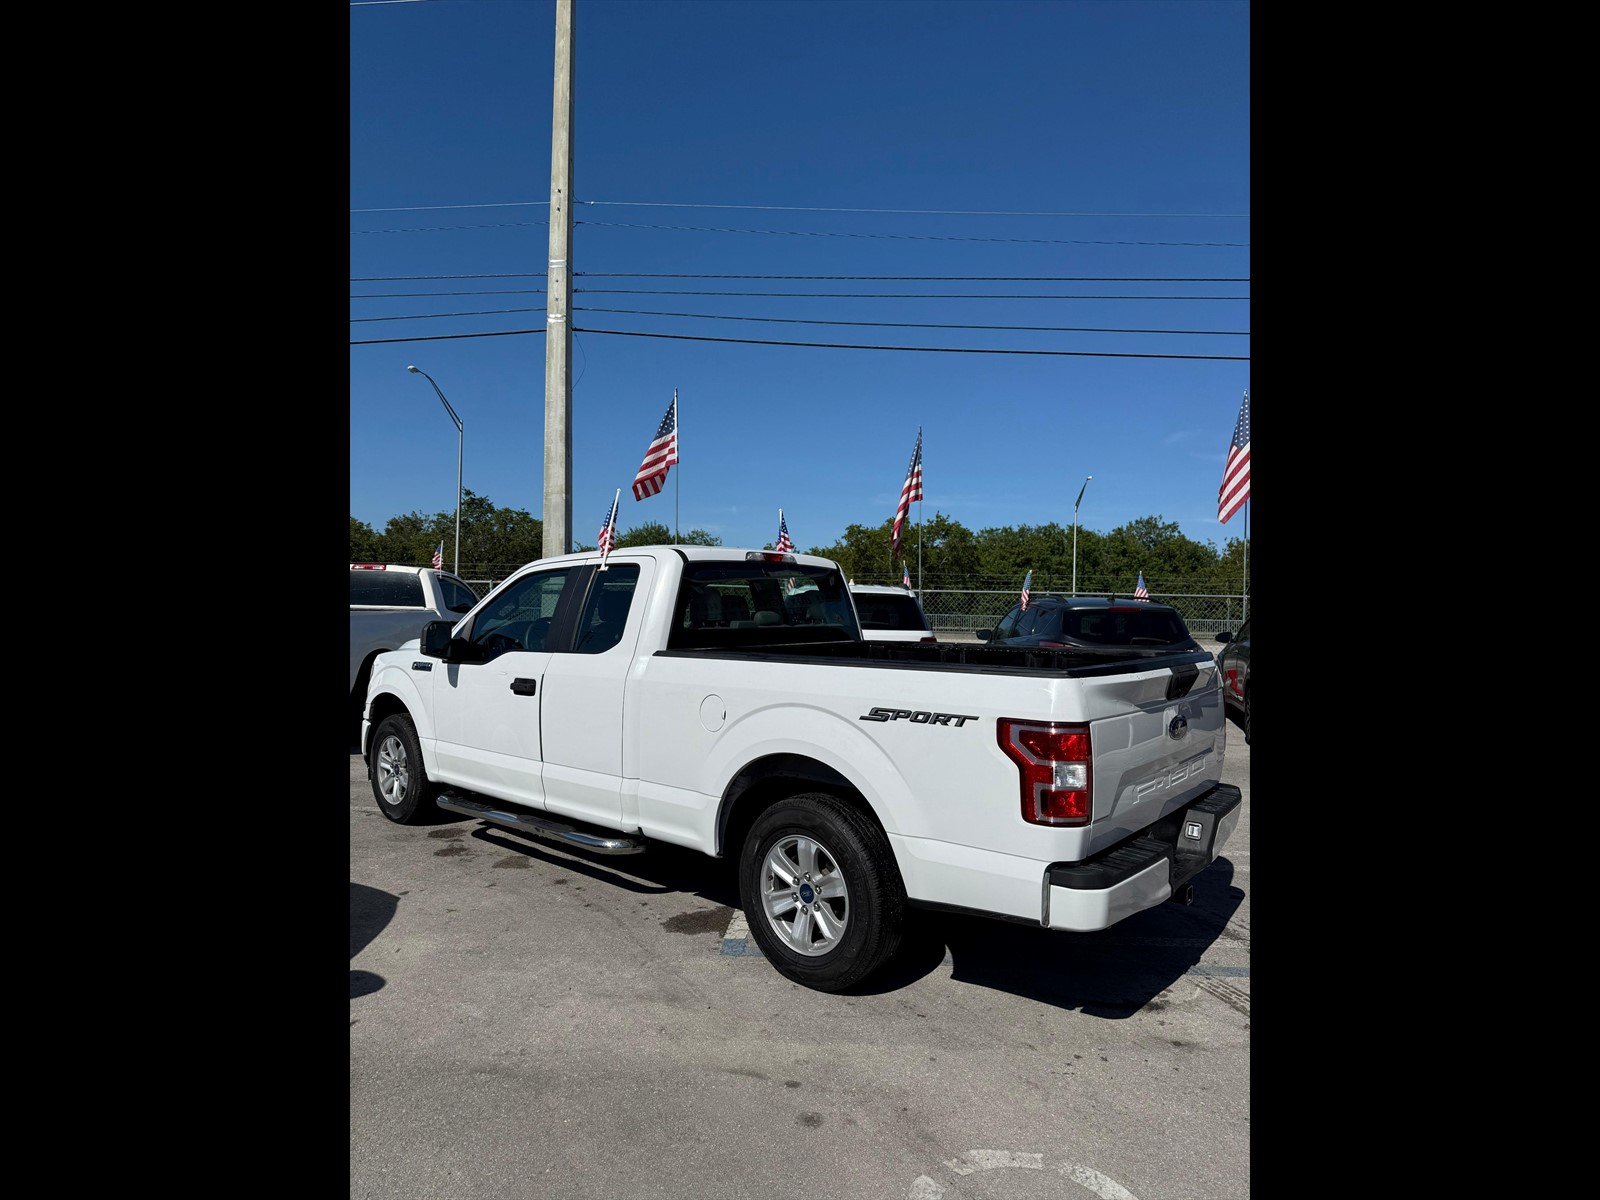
[501, 538]
[654, 533]
[496, 541]
[863, 553]
[1010, 552]
[950, 552]
[365, 544]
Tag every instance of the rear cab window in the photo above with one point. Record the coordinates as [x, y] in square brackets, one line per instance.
[756, 602]
[390, 589]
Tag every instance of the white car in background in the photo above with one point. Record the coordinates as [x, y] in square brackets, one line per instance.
[890, 614]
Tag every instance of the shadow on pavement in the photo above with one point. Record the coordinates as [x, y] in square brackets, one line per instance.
[370, 911]
[1113, 974]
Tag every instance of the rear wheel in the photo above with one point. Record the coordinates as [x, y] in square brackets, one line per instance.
[821, 891]
[399, 780]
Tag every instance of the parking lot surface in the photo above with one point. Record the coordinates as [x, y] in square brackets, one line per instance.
[528, 1021]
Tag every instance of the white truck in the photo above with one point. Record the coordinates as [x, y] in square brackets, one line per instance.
[725, 700]
[389, 605]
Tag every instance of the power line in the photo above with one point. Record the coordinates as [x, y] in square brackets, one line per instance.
[935, 278]
[928, 212]
[642, 312]
[681, 337]
[639, 312]
[909, 237]
[782, 295]
[452, 228]
[415, 295]
[446, 337]
[863, 278]
[884, 295]
[483, 312]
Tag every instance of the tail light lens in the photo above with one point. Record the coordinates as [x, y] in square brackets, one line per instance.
[1054, 763]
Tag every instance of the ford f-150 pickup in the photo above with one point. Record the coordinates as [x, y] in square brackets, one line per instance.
[725, 700]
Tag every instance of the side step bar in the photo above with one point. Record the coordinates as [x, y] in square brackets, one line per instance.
[600, 841]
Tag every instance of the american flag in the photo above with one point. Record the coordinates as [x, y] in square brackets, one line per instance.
[909, 491]
[1026, 583]
[785, 546]
[663, 452]
[905, 575]
[1139, 592]
[1235, 489]
[608, 531]
[438, 558]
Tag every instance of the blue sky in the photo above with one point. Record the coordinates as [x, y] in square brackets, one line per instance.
[1032, 150]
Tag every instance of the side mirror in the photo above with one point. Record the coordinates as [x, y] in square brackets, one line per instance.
[436, 639]
[1224, 636]
[983, 635]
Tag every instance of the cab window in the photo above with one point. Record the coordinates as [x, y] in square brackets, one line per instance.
[1008, 627]
[605, 613]
[519, 617]
[458, 597]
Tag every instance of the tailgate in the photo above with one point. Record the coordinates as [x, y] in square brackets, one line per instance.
[1158, 739]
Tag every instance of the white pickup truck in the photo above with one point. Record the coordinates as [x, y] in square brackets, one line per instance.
[725, 700]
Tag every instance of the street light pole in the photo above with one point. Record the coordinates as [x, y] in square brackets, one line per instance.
[1075, 504]
[461, 436]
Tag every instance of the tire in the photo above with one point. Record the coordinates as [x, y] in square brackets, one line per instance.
[851, 922]
[400, 782]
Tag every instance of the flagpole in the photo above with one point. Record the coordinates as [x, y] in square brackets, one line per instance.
[919, 545]
[677, 436]
[919, 510]
[1244, 595]
[611, 523]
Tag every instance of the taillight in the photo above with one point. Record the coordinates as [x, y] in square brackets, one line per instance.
[1053, 761]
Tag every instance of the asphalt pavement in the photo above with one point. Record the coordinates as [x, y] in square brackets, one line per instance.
[528, 1021]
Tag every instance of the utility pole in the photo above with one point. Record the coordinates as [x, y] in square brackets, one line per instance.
[558, 305]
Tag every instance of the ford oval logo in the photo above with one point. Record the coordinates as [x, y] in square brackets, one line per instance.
[1178, 727]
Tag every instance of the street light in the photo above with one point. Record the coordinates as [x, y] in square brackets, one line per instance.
[1075, 504]
[461, 434]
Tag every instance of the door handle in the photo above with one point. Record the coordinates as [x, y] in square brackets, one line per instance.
[524, 687]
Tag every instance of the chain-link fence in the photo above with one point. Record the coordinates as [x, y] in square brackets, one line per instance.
[956, 613]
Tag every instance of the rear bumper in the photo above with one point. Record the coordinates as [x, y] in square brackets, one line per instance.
[1143, 871]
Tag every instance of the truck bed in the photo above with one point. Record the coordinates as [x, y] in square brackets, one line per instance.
[757, 644]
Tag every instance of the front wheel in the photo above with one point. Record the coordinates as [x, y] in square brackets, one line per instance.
[399, 780]
[821, 891]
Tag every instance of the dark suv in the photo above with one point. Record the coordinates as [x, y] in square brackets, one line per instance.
[1234, 664]
[1091, 623]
